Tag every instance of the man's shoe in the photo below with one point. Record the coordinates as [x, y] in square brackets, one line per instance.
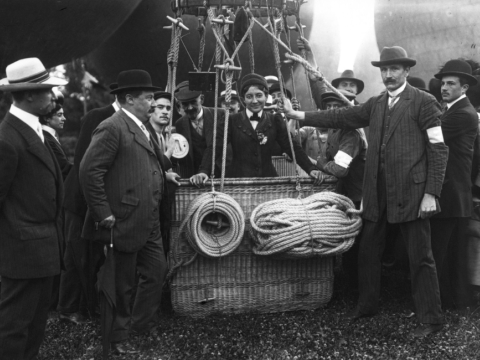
[73, 318]
[123, 348]
[423, 330]
[356, 314]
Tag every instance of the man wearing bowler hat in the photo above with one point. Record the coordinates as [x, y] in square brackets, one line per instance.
[31, 196]
[123, 182]
[197, 127]
[404, 173]
[459, 127]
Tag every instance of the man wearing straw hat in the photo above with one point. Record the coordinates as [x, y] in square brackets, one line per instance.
[31, 196]
[123, 182]
[403, 179]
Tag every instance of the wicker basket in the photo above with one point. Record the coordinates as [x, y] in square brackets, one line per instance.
[242, 281]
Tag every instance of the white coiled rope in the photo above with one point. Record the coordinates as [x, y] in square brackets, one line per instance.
[322, 224]
[206, 242]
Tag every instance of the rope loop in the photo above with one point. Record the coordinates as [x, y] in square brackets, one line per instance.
[322, 224]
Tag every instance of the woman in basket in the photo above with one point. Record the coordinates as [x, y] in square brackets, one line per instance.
[253, 133]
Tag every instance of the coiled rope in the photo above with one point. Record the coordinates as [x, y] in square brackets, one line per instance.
[322, 224]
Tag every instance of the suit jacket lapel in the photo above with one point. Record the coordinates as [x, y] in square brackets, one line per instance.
[246, 126]
[35, 145]
[456, 106]
[399, 110]
[138, 134]
[264, 123]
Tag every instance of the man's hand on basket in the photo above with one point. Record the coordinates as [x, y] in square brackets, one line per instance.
[108, 222]
[318, 176]
[199, 179]
[173, 177]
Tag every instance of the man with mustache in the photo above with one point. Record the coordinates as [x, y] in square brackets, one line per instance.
[459, 127]
[123, 181]
[197, 127]
[235, 105]
[404, 173]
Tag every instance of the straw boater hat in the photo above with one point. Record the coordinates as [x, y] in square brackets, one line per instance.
[134, 79]
[458, 68]
[349, 75]
[394, 55]
[234, 96]
[29, 74]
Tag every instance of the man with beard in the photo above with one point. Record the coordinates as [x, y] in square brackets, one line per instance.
[459, 127]
[123, 181]
[197, 127]
[31, 196]
[404, 174]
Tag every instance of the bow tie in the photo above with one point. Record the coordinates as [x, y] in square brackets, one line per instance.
[254, 117]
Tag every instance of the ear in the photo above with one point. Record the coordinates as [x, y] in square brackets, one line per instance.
[465, 88]
[201, 98]
[129, 99]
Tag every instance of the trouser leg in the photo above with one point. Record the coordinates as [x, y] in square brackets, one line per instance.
[425, 289]
[24, 308]
[152, 267]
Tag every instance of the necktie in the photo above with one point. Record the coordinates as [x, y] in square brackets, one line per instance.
[40, 133]
[392, 101]
[144, 129]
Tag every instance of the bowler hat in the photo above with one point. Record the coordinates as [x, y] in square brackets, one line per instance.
[394, 55]
[276, 87]
[134, 79]
[418, 83]
[349, 76]
[28, 74]
[162, 95]
[113, 86]
[251, 80]
[457, 67]
[234, 95]
[183, 92]
[330, 95]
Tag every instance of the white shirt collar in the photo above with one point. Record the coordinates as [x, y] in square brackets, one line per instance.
[450, 104]
[138, 122]
[29, 119]
[200, 114]
[50, 130]
[398, 91]
[115, 106]
[250, 114]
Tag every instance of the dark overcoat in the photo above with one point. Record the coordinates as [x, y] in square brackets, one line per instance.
[57, 149]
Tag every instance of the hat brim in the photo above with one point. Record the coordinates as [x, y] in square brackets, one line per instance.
[360, 83]
[139, 87]
[471, 80]
[405, 61]
[234, 97]
[47, 84]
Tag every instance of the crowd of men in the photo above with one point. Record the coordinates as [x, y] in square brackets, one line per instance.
[59, 219]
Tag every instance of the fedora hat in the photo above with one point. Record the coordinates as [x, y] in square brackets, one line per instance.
[222, 95]
[349, 75]
[418, 83]
[251, 80]
[276, 87]
[162, 95]
[183, 92]
[29, 74]
[458, 68]
[394, 55]
[134, 79]
[330, 95]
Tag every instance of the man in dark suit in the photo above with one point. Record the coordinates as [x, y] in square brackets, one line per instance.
[31, 195]
[123, 182]
[80, 263]
[404, 172]
[459, 127]
[197, 127]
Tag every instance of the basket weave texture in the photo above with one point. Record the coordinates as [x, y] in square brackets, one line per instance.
[241, 281]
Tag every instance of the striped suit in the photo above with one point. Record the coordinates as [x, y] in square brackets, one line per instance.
[406, 159]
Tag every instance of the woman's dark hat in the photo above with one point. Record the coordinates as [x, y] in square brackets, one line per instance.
[394, 55]
[458, 68]
[250, 80]
[162, 95]
[418, 83]
[134, 79]
[183, 92]
[349, 75]
[276, 87]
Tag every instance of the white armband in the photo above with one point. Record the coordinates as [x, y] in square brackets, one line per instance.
[435, 135]
[343, 159]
